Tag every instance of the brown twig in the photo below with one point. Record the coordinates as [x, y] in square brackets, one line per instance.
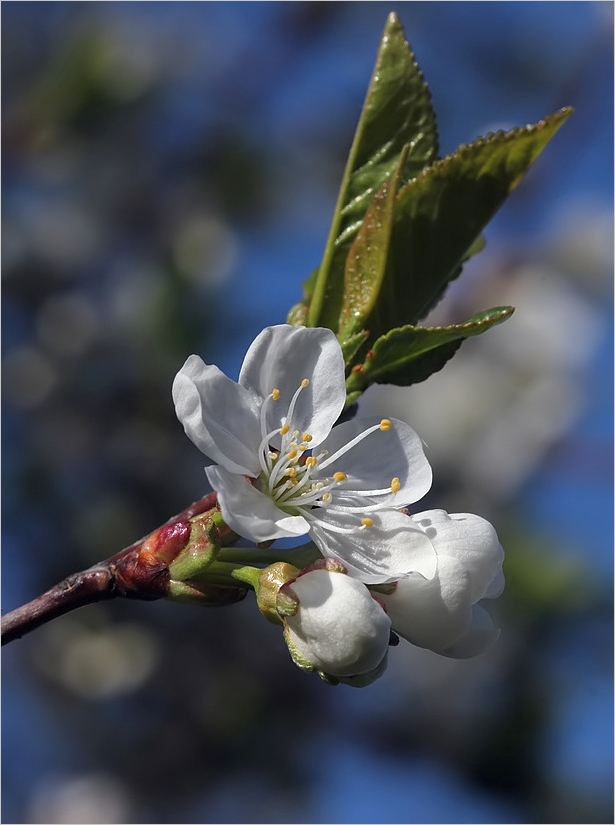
[86, 587]
[139, 571]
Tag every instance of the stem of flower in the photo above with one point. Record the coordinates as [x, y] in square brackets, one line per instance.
[227, 573]
[300, 557]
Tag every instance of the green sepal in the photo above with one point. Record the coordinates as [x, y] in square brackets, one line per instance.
[411, 354]
[327, 678]
[267, 589]
[207, 531]
[440, 214]
[397, 112]
[298, 658]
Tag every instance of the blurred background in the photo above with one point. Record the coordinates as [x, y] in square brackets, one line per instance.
[169, 175]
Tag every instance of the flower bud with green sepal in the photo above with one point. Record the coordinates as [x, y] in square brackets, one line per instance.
[204, 535]
[207, 534]
[333, 625]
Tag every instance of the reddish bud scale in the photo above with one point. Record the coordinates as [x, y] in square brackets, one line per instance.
[143, 572]
[140, 575]
[167, 542]
[358, 368]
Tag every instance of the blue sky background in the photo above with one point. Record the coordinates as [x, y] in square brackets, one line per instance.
[170, 171]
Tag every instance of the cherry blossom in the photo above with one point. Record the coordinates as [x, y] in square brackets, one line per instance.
[281, 469]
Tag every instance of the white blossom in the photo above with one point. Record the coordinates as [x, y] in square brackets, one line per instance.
[280, 468]
[443, 613]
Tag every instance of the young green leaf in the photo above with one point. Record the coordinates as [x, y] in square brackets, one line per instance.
[397, 112]
[367, 259]
[352, 344]
[440, 214]
[411, 354]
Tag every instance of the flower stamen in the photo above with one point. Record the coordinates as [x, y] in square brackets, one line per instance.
[291, 407]
[384, 426]
[290, 471]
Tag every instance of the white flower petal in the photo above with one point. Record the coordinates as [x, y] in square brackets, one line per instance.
[218, 415]
[281, 357]
[249, 512]
[339, 627]
[391, 548]
[432, 613]
[378, 458]
[365, 679]
[471, 540]
[496, 588]
[480, 637]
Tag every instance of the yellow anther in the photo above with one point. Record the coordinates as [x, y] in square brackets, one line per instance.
[284, 429]
[311, 461]
[326, 498]
[275, 394]
[302, 448]
[306, 437]
[367, 522]
[291, 472]
[292, 454]
[395, 485]
[305, 382]
[340, 476]
[385, 425]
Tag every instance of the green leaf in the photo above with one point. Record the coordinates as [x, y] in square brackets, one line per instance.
[352, 344]
[440, 214]
[411, 354]
[397, 111]
[367, 259]
[479, 244]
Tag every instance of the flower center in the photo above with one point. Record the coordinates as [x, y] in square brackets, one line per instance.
[293, 476]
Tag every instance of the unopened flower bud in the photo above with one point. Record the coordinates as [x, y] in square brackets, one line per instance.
[199, 551]
[444, 613]
[338, 629]
[365, 679]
